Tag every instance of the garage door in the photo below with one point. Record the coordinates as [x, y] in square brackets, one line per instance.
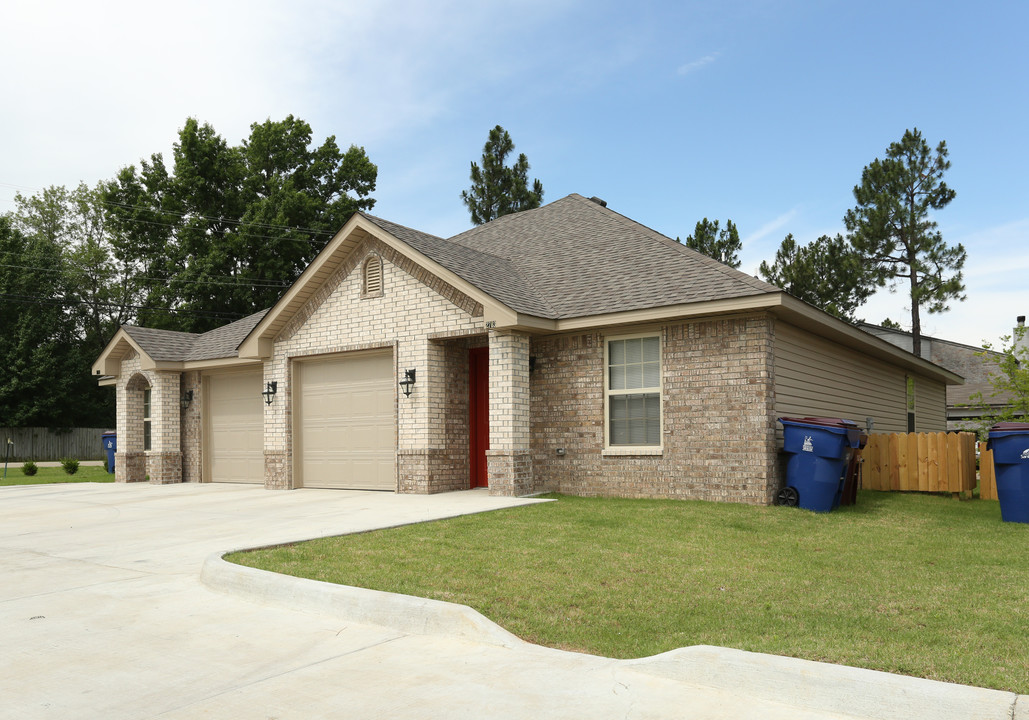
[344, 422]
[234, 427]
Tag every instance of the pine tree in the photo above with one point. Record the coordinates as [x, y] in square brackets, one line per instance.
[497, 189]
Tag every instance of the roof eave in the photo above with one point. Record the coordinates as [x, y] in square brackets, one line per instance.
[259, 343]
[109, 362]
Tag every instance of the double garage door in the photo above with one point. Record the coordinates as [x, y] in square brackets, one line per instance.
[344, 422]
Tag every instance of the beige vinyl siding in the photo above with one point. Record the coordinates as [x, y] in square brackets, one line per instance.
[818, 378]
[930, 405]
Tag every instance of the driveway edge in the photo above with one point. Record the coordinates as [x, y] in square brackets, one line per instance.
[806, 684]
[824, 687]
[403, 613]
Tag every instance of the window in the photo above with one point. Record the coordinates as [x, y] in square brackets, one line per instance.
[146, 419]
[911, 403]
[372, 277]
[634, 392]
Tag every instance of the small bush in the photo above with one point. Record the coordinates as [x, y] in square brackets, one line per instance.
[29, 468]
[70, 465]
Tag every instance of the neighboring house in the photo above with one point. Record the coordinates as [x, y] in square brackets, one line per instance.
[566, 348]
[975, 364]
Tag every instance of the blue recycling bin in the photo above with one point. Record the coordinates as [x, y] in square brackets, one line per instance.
[815, 469]
[110, 441]
[1010, 444]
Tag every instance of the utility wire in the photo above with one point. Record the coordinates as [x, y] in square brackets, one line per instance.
[239, 282]
[39, 300]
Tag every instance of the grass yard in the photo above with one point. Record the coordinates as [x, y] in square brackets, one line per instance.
[86, 473]
[912, 584]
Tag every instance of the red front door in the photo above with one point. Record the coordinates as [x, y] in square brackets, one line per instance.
[478, 413]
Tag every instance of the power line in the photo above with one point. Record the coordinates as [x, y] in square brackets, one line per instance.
[211, 218]
[38, 300]
[239, 282]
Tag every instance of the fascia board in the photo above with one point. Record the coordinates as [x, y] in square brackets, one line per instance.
[219, 363]
[670, 312]
[493, 309]
[106, 365]
[257, 345]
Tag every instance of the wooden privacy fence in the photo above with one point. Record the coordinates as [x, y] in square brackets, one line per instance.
[987, 477]
[923, 462]
[40, 444]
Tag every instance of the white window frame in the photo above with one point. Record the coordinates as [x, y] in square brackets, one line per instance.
[658, 449]
[148, 411]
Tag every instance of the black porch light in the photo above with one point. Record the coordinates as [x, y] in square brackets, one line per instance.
[270, 388]
[187, 398]
[407, 382]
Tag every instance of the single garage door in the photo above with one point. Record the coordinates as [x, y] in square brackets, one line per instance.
[344, 422]
[234, 427]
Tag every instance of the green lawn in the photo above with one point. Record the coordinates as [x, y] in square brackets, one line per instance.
[906, 583]
[86, 473]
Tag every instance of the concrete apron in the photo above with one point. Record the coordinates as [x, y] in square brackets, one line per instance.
[102, 614]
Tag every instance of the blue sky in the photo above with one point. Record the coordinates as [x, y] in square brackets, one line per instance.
[761, 112]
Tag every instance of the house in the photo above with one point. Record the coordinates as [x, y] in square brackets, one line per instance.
[567, 348]
[975, 364]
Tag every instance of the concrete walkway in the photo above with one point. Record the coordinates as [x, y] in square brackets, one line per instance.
[114, 603]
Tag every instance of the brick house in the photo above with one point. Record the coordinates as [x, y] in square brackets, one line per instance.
[566, 349]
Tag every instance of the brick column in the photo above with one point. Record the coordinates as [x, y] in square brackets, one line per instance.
[164, 461]
[278, 430]
[509, 460]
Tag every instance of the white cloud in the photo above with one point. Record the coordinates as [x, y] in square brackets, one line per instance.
[697, 64]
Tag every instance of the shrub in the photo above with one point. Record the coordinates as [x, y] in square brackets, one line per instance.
[29, 468]
[70, 465]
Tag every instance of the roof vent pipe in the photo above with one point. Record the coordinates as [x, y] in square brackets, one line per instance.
[1021, 320]
[598, 201]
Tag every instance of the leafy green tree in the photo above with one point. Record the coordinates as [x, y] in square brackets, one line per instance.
[1009, 398]
[46, 379]
[891, 227]
[99, 289]
[825, 273]
[724, 246]
[226, 230]
[497, 189]
[891, 324]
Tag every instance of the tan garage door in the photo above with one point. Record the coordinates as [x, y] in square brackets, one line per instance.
[234, 427]
[344, 422]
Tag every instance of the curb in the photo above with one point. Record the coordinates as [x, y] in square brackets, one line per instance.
[403, 613]
[827, 688]
[804, 684]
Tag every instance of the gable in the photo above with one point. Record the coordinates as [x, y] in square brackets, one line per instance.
[412, 301]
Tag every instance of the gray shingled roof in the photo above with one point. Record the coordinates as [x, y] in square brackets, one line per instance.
[173, 346]
[574, 258]
[494, 275]
[585, 259]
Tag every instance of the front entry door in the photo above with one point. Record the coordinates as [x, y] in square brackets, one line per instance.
[478, 414]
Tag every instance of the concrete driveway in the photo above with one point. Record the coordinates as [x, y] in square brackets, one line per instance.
[103, 615]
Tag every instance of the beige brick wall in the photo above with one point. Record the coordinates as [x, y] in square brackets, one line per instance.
[414, 314]
[509, 460]
[163, 462]
[718, 430]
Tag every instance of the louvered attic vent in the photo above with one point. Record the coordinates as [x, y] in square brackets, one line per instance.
[372, 276]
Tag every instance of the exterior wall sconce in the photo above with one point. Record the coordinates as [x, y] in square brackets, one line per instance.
[187, 398]
[407, 382]
[269, 391]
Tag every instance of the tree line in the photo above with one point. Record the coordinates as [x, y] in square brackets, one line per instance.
[220, 231]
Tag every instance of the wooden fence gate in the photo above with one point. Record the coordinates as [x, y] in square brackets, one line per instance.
[921, 462]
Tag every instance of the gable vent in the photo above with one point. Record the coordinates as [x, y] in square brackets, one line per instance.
[373, 276]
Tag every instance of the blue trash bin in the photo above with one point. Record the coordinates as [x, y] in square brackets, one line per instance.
[110, 441]
[1010, 444]
[816, 468]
